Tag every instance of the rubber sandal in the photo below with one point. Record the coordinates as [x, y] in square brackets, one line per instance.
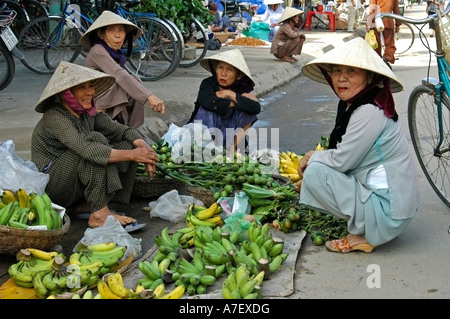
[134, 227]
[342, 246]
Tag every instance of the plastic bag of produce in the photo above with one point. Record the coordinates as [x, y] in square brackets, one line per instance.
[16, 172]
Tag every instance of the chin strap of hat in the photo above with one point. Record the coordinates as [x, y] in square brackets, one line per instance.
[129, 39]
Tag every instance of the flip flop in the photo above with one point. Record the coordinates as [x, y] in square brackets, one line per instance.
[85, 216]
[134, 227]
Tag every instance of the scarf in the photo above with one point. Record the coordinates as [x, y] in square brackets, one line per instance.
[74, 105]
[116, 55]
[378, 93]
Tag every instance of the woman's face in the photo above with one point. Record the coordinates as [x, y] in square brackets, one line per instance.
[84, 93]
[113, 35]
[348, 81]
[226, 74]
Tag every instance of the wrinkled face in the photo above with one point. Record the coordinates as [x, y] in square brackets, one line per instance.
[84, 93]
[226, 74]
[348, 81]
[113, 35]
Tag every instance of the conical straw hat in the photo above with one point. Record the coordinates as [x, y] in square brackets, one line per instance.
[273, 2]
[68, 75]
[109, 18]
[289, 12]
[233, 57]
[357, 53]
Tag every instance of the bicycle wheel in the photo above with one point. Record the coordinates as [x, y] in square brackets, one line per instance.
[46, 41]
[404, 39]
[423, 125]
[155, 54]
[7, 67]
[194, 51]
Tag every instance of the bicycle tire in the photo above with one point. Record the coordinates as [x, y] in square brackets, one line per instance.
[22, 17]
[7, 67]
[160, 46]
[404, 39]
[424, 129]
[191, 45]
[35, 39]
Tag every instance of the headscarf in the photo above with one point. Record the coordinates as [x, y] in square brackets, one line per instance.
[75, 106]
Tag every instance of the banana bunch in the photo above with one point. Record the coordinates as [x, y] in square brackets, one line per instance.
[197, 276]
[111, 286]
[204, 216]
[108, 254]
[288, 165]
[241, 284]
[323, 144]
[206, 234]
[30, 262]
[21, 210]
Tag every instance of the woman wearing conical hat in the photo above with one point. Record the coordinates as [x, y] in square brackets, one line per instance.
[224, 100]
[91, 160]
[288, 40]
[126, 98]
[367, 175]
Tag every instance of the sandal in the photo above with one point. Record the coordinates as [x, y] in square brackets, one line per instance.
[342, 246]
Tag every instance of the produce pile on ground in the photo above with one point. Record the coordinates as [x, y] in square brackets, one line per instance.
[248, 41]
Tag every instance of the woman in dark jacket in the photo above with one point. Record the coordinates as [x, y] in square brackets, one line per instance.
[224, 100]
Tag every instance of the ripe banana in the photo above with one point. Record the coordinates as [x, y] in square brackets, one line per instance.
[9, 196]
[115, 283]
[176, 293]
[105, 291]
[102, 246]
[41, 254]
[160, 290]
[22, 198]
[207, 213]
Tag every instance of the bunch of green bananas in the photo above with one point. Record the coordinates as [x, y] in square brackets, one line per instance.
[20, 210]
[242, 284]
[30, 261]
[109, 254]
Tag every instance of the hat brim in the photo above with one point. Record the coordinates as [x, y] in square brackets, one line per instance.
[233, 57]
[356, 53]
[289, 12]
[68, 75]
[105, 19]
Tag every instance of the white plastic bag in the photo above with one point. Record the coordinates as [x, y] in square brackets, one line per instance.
[112, 231]
[16, 172]
[171, 206]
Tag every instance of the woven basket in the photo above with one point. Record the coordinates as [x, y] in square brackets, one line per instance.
[207, 195]
[148, 188]
[14, 239]
[444, 26]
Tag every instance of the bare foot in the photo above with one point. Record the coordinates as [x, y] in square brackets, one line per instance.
[98, 218]
[293, 58]
[288, 59]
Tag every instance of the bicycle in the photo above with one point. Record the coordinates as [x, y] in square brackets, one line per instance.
[47, 41]
[27, 10]
[429, 107]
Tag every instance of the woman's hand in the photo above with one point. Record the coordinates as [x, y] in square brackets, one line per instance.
[304, 163]
[147, 156]
[250, 96]
[227, 94]
[156, 104]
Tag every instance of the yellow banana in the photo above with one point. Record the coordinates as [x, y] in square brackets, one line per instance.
[115, 283]
[176, 293]
[102, 246]
[289, 169]
[105, 291]
[216, 220]
[74, 259]
[9, 196]
[160, 290]
[22, 197]
[38, 253]
[293, 177]
[207, 213]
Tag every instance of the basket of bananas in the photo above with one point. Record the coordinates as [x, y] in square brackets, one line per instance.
[30, 220]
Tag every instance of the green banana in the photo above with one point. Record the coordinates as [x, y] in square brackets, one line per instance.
[39, 208]
[38, 285]
[15, 214]
[47, 200]
[15, 271]
[149, 270]
[48, 282]
[275, 263]
[56, 219]
[5, 213]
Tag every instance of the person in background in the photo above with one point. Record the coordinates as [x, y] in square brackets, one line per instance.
[272, 16]
[288, 40]
[433, 6]
[220, 24]
[91, 159]
[224, 99]
[367, 175]
[296, 4]
[390, 6]
[347, 15]
[124, 101]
